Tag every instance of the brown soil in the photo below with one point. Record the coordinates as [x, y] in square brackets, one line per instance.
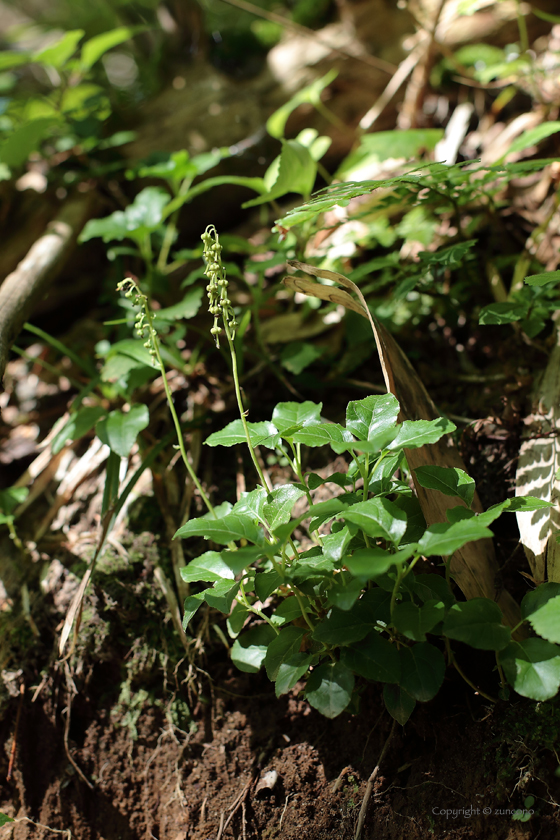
[152, 779]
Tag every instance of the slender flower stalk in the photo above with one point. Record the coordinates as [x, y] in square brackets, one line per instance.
[220, 307]
[145, 330]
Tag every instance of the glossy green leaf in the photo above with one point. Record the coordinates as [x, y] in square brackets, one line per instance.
[293, 415]
[241, 558]
[119, 430]
[190, 608]
[346, 627]
[537, 598]
[478, 623]
[288, 610]
[209, 567]
[444, 538]
[296, 174]
[221, 595]
[335, 544]
[282, 648]
[378, 517]
[252, 503]
[291, 671]
[344, 594]
[415, 433]
[432, 586]
[532, 668]
[329, 689]
[249, 649]
[279, 505]
[324, 433]
[266, 583]
[237, 619]
[222, 531]
[262, 434]
[97, 46]
[546, 620]
[398, 703]
[415, 521]
[4, 818]
[77, 425]
[414, 621]
[368, 563]
[368, 417]
[422, 671]
[451, 481]
[58, 54]
[374, 658]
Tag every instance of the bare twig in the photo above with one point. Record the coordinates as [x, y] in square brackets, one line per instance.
[14, 742]
[234, 807]
[370, 783]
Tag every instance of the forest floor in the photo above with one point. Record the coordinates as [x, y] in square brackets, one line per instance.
[140, 739]
[136, 736]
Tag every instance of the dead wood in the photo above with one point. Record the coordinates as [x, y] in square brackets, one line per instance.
[25, 286]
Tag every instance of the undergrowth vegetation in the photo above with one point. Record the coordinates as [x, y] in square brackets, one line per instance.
[329, 580]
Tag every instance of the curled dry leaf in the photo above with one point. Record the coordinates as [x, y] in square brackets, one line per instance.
[474, 566]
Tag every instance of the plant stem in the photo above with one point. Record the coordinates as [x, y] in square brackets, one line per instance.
[303, 609]
[176, 422]
[461, 673]
[242, 412]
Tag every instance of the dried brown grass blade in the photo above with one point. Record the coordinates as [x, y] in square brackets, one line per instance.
[474, 567]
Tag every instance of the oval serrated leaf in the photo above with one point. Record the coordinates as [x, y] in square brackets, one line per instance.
[444, 538]
[262, 434]
[378, 517]
[374, 658]
[546, 620]
[291, 671]
[449, 480]
[414, 622]
[477, 622]
[285, 645]
[398, 703]
[532, 668]
[368, 417]
[415, 433]
[249, 649]
[324, 433]
[230, 527]
[329, 689]
[422, 671]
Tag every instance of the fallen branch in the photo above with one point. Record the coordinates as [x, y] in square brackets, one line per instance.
[25, 286]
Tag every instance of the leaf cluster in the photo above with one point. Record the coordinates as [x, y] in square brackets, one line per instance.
[329, 594]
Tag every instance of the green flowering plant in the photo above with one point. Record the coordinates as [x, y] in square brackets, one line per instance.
[328, 592]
